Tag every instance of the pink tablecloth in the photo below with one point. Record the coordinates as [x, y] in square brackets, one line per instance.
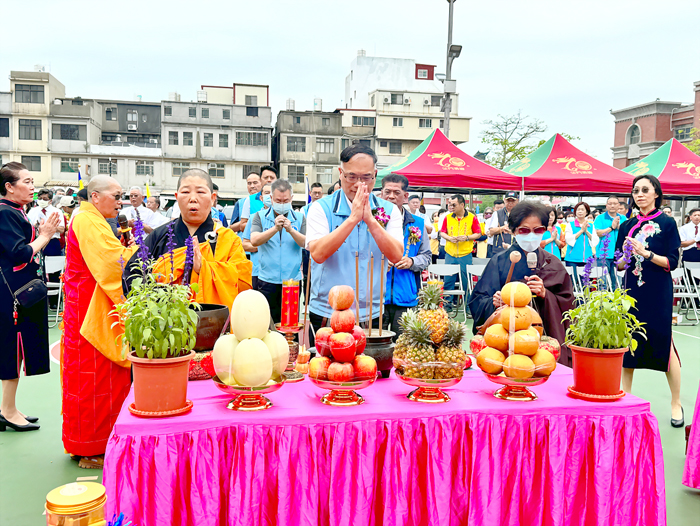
[476, 460]
[691, 475]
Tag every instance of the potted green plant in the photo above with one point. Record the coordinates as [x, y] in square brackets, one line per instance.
[602, 330]
[160, 331]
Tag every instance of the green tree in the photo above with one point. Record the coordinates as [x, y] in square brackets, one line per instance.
[694, 144]
[512, 138]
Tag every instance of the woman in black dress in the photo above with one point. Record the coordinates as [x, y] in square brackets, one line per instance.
[653, 245]
[26, 342]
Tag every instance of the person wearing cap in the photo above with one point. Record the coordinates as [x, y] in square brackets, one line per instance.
[502, 236]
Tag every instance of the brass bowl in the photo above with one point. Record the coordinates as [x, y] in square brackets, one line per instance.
[248, 398]
[342, 394]
[428, 390]
[515, 389]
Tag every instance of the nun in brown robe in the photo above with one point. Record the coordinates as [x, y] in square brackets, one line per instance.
[551, 285]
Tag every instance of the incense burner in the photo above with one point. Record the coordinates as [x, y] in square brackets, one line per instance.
[381, 348]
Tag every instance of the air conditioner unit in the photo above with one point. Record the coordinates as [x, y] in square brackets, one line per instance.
[407, 101]
[131, 127]
[118, 138]
[153, 141]
[386, 100]
[426, 102]
[211, 165]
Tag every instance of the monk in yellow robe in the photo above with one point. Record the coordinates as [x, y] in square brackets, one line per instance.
[218, 264]
[95, 377]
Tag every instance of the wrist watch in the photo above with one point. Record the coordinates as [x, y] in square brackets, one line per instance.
[650, 257]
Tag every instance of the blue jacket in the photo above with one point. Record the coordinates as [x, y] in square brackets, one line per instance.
[402, 284]
[339, 268]
[279, 258]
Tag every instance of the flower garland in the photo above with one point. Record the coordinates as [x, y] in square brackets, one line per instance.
[645, 232]
[381, 216]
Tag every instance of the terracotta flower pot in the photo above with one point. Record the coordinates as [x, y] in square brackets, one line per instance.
[597, 372]
[160, 385]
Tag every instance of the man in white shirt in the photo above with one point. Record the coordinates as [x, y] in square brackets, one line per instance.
[148, 218]
[40, 213]
[414, 208]
[342, 229]
[153, 204]
[690, 237]
[492, 222]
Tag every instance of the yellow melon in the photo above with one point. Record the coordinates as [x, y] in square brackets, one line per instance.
[250, 315]
[252, 363]
[279, 350]
[222, 357]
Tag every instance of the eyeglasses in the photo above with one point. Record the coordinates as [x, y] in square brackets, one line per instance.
[352, 178]
[488, 214]
[643, 189]
[523, 230]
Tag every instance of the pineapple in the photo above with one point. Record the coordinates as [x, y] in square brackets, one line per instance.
[451, 353]
[429, 300]
[419, 348]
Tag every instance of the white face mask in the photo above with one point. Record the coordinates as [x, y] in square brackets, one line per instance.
[43, 204]
[569, 219]
[529, 242]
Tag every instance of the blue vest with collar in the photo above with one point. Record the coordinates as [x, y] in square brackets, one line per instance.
[279, 258]
[402, 284]
[339, 268]
[582, 250]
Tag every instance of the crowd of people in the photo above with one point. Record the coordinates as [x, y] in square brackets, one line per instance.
[106, 234]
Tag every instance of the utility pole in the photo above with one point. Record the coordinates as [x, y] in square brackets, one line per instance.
[453, 52]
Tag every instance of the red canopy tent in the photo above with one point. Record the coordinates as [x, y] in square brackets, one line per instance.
[558, 167]
[437, 165]
[677, 168]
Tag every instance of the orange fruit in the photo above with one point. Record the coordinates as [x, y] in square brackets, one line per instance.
[521, 318]
[518, 366]
[526, 341]
[490, 360]
[545, 363]
[497, 337]
[516, 294]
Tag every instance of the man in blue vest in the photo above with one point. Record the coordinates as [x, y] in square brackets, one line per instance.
[254, 184]
[279, 235]
[245, 236]
[315, 193]
[341, 227]
[403, 279]
[607, 226]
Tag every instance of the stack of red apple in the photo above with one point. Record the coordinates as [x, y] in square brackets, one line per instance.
[341, 345]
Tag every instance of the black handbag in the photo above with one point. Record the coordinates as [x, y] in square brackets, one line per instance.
[27, 295]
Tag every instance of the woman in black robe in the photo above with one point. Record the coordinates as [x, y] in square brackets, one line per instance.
[653, 248]
[24, 343]
[548, 280]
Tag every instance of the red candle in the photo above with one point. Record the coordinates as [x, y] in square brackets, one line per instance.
[290, 303]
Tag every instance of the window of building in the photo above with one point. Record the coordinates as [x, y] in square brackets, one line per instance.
[132, 116]
[28, 93]
[251, 100]
[326, 121]
[251, 139]
[422, 73]
[144, 117]
[383, 144]
[325, 145]
[435, 100]
[32, 162]
[634, 134]
[4, 127]
[77, 102]
[395, 147]
[205, 113]
[365, 142]
[187, 139]
[69, 164]
[398, 122]
[209, 140]
[680, 134]
[226, 114]
[344, 143]
[29, 130]
[145, 168]
[248, 168]
[363, 121]
[371, 101]
[193, 111]
[296, 119]
[425, 123]
[295, 174]
[110, 114]
[324, 175]
[397, 98]
[223, 140]
[168, 111]
[216, 171]
[103, 166]
[180, 168]
[442, 123]
[296, 144]
[173, 137]
[251, 111]
[69, 132]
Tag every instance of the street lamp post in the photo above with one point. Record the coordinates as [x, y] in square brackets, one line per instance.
[453, 52]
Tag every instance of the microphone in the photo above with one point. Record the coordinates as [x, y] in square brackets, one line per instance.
[531, 260]
[124, 227]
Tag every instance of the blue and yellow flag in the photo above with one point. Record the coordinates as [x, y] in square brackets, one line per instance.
[80, 180]
[148, 190]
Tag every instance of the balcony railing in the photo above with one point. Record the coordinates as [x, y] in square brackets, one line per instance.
[127, 144]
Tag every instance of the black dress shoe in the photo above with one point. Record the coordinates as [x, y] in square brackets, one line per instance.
[4, 424]
[680, 422]
[30, 419]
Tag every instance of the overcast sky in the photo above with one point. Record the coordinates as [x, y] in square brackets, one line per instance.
[566, 63]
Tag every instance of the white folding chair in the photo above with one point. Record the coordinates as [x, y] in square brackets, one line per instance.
[597, 274]
[692, 281]
[480, 261]
[52, 265]
[473, 271]
[578, 294]
[440, 272]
